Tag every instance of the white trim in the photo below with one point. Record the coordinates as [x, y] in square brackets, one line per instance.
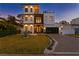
[65, 53]
[54, 46]
[48, 52]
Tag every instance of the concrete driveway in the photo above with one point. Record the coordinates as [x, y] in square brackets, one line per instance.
[66, 45]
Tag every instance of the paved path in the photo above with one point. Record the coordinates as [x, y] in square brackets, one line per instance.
[66, 45]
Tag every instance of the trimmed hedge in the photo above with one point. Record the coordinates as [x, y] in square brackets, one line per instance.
[8, 31]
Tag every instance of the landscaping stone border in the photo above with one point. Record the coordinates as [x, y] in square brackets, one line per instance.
[51, 46]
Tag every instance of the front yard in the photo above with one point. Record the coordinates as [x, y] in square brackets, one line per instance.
[74, 35]
[17, 44]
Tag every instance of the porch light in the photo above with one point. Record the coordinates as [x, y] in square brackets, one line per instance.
[25, 25]
[31, 6]
[44, 28]
[31, 15]
[26, 15]
[26, 6]
[61, 26]
[31, 25]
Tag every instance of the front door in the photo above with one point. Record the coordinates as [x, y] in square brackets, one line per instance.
[38, 29]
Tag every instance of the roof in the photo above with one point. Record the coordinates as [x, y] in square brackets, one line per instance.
[31, 4]
[75, 18]
[48, 11]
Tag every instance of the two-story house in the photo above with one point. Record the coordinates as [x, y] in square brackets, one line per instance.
[72, 28]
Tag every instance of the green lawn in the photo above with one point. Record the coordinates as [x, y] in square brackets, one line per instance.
[74, 35]
[17, 44]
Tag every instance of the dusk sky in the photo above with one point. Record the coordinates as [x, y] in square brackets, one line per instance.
[62, 11]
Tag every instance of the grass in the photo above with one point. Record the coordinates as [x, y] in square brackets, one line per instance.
[74, 35]
[17, 44]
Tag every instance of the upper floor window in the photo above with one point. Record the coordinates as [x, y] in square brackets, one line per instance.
[26, 18]
[31, 9]
[26, 9]
[31, 18]
[51, 17]
[38, 20]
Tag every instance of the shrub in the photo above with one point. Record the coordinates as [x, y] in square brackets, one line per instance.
[8, 31]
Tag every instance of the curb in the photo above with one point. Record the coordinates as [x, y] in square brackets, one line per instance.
[51, 47]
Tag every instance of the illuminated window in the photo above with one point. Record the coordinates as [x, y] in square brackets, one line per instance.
[26, 9]
[38, 20]
[31, 9]
[31, 18]
[26, 18]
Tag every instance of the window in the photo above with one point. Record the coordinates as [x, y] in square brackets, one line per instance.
[38, 20]
[26, 9]
[31, 9]
[31, 18]
[26, 18]
[50, 18]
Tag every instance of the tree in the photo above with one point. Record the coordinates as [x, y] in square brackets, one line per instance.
[3, 23]
[63, 22]
[11, 19]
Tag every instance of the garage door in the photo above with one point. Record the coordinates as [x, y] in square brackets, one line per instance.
[76, 30]
[54, 30]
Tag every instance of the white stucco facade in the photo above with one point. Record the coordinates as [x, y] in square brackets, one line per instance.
[75, 21]
[29, 9]
[30, 19]
[66, 29]
[49, 20]
[72, 28]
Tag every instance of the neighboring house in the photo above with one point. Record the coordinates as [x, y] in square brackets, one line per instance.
[36, 22]
[72, 28]
[49, 22]
[66, 29]
[75, 25]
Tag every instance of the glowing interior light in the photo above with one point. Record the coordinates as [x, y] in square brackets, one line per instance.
[31, 16]
[26, 6]
[26, 16]
[31, 25]
[44, 28]
[31, 6]
[26, 25]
